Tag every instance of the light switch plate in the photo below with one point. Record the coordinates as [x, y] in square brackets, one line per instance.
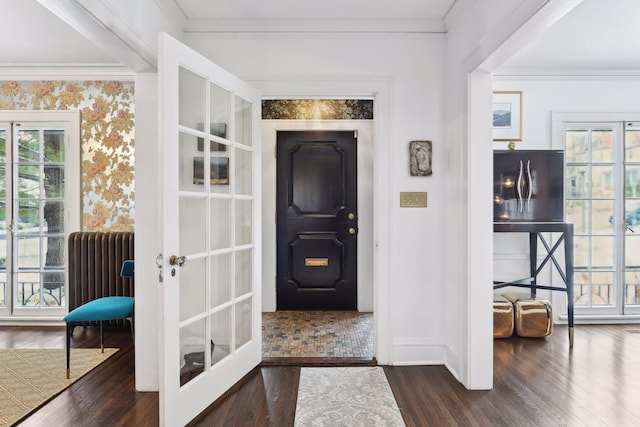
[413, 199]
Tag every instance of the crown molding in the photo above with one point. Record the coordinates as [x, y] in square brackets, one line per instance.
[172, 11]
[455, 12]
[216, 26]
[553, 72]
[65, 72]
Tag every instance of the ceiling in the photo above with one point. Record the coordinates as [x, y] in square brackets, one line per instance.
[50, 41]
[597, 33]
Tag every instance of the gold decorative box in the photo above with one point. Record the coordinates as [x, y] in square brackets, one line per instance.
[502, 317]
[533, 317]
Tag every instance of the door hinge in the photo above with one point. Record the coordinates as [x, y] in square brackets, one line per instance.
[355, 134]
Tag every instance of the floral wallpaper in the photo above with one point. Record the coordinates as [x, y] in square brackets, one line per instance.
[108, 143]
[317, 109]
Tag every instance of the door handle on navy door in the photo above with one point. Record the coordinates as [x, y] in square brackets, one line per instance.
[351, 215]
[352, 230]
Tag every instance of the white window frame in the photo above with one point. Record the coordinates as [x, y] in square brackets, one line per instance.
[71, 122]
[559, 122]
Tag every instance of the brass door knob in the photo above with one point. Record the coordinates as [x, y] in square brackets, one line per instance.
[351, 215]
[177, 260]
[352, 230]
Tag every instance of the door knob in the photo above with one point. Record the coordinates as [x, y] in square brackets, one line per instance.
[177, 260]
[352, 230]
[351, 215]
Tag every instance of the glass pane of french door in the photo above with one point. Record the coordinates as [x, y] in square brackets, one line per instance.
[38, 216]
[631, 295]
[215, 226]
[592, 171]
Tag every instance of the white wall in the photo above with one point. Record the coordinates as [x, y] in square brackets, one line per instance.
[413, 66]
[148, 290]
[542, 96]
[481, 36]
[365, 203]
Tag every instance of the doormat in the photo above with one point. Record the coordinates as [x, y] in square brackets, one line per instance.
[30, 378]
[358, 396]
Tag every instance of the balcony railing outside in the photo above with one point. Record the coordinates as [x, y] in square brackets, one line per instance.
[32, 294]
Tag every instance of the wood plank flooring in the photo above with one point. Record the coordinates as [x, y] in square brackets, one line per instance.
[537, 382]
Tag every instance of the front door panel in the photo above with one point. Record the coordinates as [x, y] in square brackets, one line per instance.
[317, 220]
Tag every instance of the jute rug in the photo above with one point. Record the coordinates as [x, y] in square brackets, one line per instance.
[30, 378]
[359, 396]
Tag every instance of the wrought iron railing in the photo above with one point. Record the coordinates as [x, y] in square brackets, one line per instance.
[30, 295]
[604, 293]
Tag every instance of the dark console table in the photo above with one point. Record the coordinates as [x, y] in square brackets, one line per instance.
[535, 230]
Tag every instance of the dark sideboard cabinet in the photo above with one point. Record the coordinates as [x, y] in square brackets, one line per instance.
[528, 185]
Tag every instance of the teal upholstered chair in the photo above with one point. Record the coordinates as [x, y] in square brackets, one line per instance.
[101, 309]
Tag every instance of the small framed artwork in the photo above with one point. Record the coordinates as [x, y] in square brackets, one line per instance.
[507, 116]
[217, 129]
[420, 154]
[218, 173]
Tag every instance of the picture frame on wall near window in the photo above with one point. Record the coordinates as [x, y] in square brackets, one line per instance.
[507, 116]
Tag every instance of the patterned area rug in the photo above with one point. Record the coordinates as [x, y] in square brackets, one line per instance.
[317, 334]
[346, 397]
[30, 378]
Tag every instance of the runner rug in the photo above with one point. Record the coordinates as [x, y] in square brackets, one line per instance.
[30, 378]
[359, 396]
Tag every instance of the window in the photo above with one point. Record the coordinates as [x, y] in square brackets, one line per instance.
[602, 196]
[39, 196]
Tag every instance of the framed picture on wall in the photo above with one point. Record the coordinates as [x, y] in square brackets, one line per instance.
[507, 116]
[218, 173]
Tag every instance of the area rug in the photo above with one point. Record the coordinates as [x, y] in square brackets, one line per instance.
[359, 396]
[30, 378]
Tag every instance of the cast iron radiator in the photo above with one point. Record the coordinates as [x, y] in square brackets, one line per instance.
[95, 259]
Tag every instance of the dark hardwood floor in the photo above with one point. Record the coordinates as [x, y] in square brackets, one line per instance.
[537, 382]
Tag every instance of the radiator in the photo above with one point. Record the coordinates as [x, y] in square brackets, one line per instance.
[95, 259]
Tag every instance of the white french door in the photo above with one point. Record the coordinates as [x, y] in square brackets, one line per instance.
[603, 202]
[39, 207]
[210, 231]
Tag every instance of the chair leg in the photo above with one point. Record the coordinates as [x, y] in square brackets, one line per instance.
[130, 319]
[101, 337]
[69, 332]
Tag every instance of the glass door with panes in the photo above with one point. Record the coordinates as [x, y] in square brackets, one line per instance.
[602, 200]
[631, 291]
[34, 216]
[210, 232]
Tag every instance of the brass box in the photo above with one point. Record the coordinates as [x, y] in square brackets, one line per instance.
[503, 322]
[533, 318]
